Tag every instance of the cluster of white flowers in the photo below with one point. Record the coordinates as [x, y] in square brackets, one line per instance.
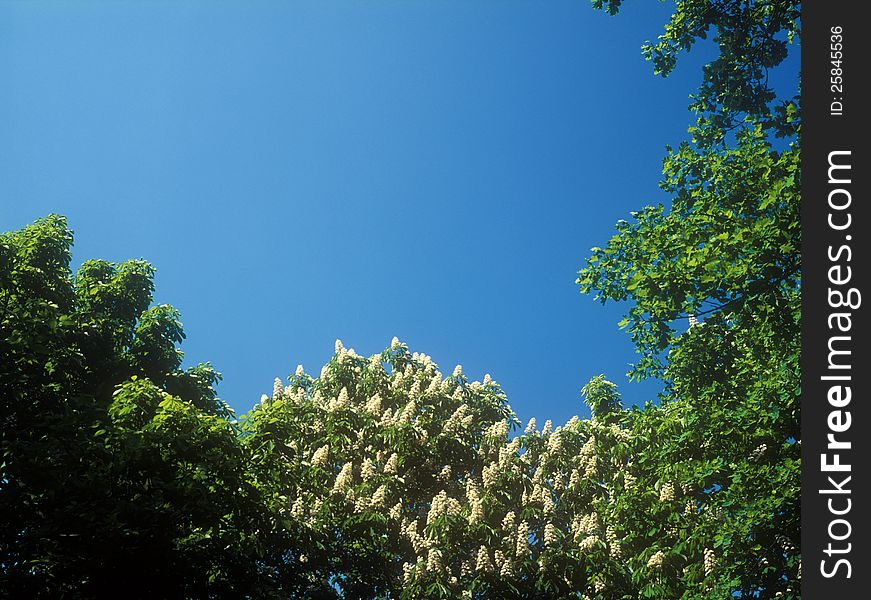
[530, 427]
[620, 434]
[666, 492]
[555, 442]
[549, 534]
[589, 543]
[408, 412]
[614, 547]
[434, 560]
[373, 405]
[315, 507]
[409, 529]
[758, 452]
[388, 419]
[690, 507]
[574, 478]
[483, 562]
[361, 503]
[539, 495]
[785, 544]
[498, 431]
[508, 521]
[442, 504]
[424, 359]
[710, 561]
[490, 475]
[407, 569]
[398, 381]
[340, 402]
[343, 479]
[587, 525]
[320, 456]
[300, 396]
[459, 419]
[277, 389]
[435, 385]
[656, 560]
[379, 498]
[476, 504]
[392, 464]
[503, 564]
[506, 569]
[521, 548]
[588, 458]
[297, 510]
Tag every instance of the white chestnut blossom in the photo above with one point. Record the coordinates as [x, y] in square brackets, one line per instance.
[710, 561]
[434, 560]
[373, 405]
[434, 386]
[666, 492]
[392, 463]
[483, 563]
[387, 418]
[508, 521]
[476, 514]
[343, 479]
[656, 561]
[522, 540]
[549, 534]
[320, 456]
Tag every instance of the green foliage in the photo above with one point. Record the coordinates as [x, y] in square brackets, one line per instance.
[602, 397]
[727, 250]
[724, 258]
[112, 457]
[751, 39]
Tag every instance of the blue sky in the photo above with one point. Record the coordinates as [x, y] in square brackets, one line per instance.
[305, 171]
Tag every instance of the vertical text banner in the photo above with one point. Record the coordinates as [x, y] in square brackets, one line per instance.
[836, 421]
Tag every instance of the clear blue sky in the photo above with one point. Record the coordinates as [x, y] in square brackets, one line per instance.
[305, 171]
